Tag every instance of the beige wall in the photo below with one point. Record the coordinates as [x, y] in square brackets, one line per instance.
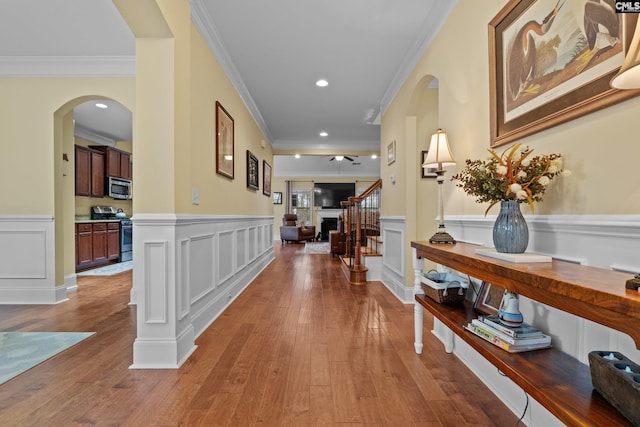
[600, 149]
[219, 194]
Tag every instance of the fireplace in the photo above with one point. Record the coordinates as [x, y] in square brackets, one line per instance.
[326, 226]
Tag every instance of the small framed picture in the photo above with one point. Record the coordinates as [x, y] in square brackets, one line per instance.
[488, 299]
[427, 172]
[224, 142]
[277, 198]
[252, 171]
[266, 178]
[391, 152]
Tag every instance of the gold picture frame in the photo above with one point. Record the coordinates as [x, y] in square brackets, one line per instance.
[571, 85]
[225, 155]
[391, 152]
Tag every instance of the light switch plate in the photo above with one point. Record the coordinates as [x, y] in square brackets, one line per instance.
[195, 196]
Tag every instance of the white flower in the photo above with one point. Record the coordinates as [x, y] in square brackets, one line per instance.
[552, 168]
[526, 162]
[521, 194]
[544, 180]
[515, 188]
[522, 174]
[502, 170]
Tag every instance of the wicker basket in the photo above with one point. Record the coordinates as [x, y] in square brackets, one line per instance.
[444, 288]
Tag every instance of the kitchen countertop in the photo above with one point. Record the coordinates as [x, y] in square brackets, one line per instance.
[88, 220]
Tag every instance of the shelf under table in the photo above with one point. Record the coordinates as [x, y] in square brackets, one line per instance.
[559, 382]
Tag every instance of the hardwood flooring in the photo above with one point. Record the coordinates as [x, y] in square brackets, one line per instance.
[299, 347]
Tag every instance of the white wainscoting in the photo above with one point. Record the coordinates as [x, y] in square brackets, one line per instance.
[393, 257]
[27, 261]
[187, 270]
[607, 241]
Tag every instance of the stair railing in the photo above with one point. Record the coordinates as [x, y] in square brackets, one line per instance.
[361, 216]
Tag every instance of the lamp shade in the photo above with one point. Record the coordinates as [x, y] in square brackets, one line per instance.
[629, 75]
[439, 154]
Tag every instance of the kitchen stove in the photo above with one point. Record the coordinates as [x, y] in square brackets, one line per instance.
[126, 228]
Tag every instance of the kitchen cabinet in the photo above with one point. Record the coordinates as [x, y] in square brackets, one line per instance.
[113, 241]
[117, 163]
[97, 243]
[89, 171]
[84, 246]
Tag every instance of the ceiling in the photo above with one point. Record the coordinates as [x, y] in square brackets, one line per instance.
[273, 51]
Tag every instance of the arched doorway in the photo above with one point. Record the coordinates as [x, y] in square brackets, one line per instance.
[67, 133]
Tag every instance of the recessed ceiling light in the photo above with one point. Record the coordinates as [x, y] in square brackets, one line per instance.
[322, 83]
[101, 105]
[339, 158]
[324, 134]
[297, 156]
[374, 156]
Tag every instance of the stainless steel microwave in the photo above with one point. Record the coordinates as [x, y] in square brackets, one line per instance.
[119, 188]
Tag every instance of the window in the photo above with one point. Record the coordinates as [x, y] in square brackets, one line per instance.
[301, 204]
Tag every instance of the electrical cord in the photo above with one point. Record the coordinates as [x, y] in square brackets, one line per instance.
[526, 405]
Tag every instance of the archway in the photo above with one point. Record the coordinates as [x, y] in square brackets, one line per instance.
[65, 200]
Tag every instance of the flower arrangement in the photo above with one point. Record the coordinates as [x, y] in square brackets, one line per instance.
[512, 175]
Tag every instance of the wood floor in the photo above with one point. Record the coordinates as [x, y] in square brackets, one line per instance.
[300, 347]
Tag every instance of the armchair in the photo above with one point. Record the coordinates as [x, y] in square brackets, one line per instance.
[291, 232]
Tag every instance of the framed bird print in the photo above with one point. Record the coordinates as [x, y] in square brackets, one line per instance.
[551, 61]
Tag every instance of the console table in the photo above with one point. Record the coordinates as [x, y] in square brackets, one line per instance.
[556, 380]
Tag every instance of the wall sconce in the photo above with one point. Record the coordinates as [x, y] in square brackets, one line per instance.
[439, 157]
[629, 75]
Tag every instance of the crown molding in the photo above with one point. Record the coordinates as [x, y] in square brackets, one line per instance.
[91, 136]
[200, 19]
[67, 66]
[435, 19]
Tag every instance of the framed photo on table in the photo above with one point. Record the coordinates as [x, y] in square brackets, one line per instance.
[252, 171]
[545, 70]
[224, 142]
[488, 299]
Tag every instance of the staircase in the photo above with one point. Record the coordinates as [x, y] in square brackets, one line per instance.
[361, 215]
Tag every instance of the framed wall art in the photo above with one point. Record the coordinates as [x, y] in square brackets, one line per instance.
[427, 172]
[391, 152]
[224, 142]
[266, 178]
[252, 171]
[488, 299]
[277, 198]
[545, 68]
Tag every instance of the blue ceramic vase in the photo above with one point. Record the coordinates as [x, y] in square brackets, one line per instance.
[510, 231]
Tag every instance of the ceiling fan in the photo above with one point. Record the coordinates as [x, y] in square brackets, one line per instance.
[339, 158]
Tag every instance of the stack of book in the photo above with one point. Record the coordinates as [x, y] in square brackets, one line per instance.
[512, 339]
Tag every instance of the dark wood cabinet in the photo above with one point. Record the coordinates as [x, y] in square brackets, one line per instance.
[113, 241]
[97, 243]
[89, 170]
[117, 162]
[84, 245]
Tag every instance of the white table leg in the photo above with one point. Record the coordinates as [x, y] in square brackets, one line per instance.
[418, 265]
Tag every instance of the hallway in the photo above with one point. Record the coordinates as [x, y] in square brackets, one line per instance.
[298, 347]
